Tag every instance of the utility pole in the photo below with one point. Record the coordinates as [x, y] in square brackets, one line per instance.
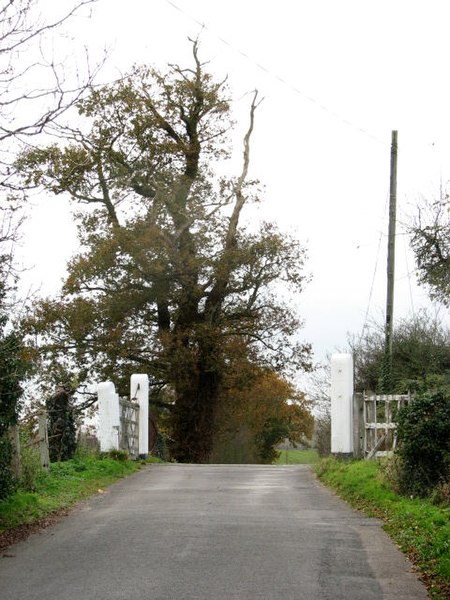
[387, 371]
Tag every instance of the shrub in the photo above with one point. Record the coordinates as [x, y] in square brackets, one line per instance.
[323, 435]
[120, 455]
[12, 372]
[6, 476]
[441, 494]
[272, 433]
[420, 348]
[424, 442]
[31, 469]
[390, 471]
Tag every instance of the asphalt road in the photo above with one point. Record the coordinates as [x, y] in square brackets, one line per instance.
[211, 533]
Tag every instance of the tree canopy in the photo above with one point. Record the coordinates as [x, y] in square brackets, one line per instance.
[430, 242]
[168, 278]
[259, 410]
[26, 107]
[420, 350]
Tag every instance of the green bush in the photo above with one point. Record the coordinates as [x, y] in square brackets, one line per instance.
[272, 433]
[441, 494]
[6, 477]
[30, 463]
[12, 373]
[424, 442]
[120, 455]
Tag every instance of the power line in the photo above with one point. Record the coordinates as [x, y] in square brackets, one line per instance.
[274, 75]
[381, 236]
[371, 288]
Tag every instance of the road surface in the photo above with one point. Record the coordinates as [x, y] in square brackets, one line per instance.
[173, 532]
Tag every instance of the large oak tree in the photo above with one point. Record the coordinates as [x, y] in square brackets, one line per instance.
[167, 276]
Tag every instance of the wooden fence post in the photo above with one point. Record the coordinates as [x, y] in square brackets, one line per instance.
[15, 445]
[43, 441]
[358, 425]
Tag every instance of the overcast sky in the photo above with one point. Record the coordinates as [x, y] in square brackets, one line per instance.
[336, 78]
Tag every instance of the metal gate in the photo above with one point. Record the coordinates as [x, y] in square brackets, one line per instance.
[380, 428]
[129, 427]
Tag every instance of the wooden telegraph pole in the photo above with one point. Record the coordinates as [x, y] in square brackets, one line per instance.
[387, 372]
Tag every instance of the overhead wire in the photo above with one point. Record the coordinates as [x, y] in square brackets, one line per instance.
[409, 272]
[372, 286]
[325, 109]
[276, 76]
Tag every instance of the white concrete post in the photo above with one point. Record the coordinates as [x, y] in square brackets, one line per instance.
[139, 393]
[342, 404]
[108, 416]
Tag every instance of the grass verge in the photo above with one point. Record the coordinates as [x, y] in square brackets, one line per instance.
[421, 529]
[65, 484]
[297, 457]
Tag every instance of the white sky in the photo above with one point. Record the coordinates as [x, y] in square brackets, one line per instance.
[337, 77]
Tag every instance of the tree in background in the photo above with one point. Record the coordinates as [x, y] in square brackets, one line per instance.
[317, 386]
[430, 242]
[258, 411]
[13, 369]
[167, 275]
[34, 87]
[420, 349]
[26, 109]
[14, 362]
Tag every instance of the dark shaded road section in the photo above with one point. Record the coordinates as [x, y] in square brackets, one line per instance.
[211, 533]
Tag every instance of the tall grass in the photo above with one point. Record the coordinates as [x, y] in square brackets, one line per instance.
[66, 483]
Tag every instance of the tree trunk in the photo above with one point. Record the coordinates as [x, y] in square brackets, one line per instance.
[61, 426]
[194, 417]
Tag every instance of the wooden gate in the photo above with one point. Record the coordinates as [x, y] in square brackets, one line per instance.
[380, 428]
[129, 427]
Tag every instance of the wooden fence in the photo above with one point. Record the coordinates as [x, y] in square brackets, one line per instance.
[129, 427]
[375, 427]
[41, 442]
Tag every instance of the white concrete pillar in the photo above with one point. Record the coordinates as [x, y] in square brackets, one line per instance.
[139, 393]
[342, 404]
[108, 416]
